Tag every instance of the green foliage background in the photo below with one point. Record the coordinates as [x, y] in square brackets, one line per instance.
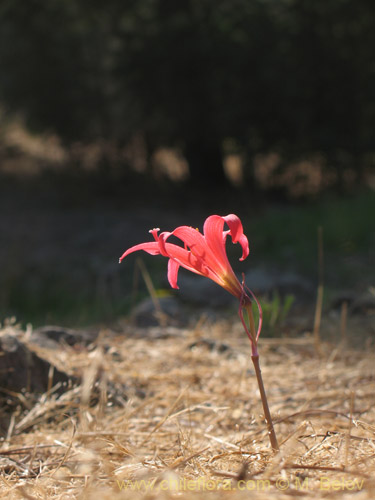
[295, 78]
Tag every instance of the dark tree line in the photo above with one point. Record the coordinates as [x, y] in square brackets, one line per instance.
[294, 76]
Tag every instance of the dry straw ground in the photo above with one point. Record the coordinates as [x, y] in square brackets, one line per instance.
[175, 415]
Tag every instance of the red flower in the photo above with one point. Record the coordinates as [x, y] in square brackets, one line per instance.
[203, 254]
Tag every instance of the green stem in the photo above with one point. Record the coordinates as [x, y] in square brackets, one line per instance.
[258, 372]
[267, 414]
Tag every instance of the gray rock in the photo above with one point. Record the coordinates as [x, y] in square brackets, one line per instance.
[364, 304]
[52, 336]
[146, 314]
[201, 291]
[265, 281]
[337, 301]
[292, 283]
[211, 345]
[260, 281]
[22, 369]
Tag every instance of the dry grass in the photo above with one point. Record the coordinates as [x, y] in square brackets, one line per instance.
[183, 415]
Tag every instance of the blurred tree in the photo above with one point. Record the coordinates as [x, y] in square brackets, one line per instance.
[292, 76]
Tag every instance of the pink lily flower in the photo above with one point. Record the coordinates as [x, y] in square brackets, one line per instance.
[202, 254]
[205, 254]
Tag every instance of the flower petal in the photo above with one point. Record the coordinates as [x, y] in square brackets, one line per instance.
[162, 243]
[215, 239]
[236, 232]
[197, 244]
[154, 233]
[203, 254]
[149, 247]
[173, 268]
[187, 260]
